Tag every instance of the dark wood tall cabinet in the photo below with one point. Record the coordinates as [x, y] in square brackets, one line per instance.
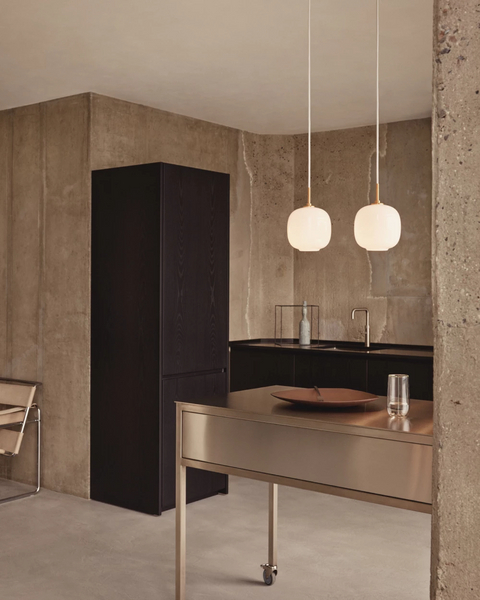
[159, 329]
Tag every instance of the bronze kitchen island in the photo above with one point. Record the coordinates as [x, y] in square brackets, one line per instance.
[358, 453]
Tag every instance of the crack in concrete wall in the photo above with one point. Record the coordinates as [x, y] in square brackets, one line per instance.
[250, 247]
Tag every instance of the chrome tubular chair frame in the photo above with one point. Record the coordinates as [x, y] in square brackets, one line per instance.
[20, 427]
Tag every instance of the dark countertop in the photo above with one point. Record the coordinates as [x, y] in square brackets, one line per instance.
[341, 348]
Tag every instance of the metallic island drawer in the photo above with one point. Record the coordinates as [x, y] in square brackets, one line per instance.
[379, 466]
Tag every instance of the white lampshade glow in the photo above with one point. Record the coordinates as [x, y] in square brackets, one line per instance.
[377, 227]
[309, 229]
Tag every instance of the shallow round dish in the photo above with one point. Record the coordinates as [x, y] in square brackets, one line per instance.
[327, 398]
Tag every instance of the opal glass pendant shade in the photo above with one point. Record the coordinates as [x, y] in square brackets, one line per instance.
[377, 227]
[309, 229]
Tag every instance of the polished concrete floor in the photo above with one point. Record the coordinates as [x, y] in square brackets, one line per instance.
[57, 547]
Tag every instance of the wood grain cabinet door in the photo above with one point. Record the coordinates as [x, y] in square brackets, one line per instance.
[125, 350]
[195, 248]
[259, 368]
[325, 370]
[420, 375]
[200, 484]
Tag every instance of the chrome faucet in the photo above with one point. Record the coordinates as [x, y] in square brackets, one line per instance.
[367, 325]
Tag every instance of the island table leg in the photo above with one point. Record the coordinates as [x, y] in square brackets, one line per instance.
[180, 514]
[270, 569]
[272, 524]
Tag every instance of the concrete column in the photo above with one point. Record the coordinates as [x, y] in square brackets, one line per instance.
[456, 281]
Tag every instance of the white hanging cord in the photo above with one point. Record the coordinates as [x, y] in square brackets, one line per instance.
[309, 105]
[378, 94]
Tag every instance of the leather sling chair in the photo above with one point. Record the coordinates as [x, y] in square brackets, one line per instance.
[18, 397]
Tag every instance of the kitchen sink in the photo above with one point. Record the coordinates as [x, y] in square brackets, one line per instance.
[356, 348]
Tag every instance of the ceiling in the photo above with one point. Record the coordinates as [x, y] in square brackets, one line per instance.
[241, 63]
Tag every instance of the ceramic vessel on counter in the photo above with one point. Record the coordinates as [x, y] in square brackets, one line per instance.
[304, 337]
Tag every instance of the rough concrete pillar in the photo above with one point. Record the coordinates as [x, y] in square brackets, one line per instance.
[456, 280]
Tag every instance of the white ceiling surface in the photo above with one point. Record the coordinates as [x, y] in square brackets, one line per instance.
[241, 63]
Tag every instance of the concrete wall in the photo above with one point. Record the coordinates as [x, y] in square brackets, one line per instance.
[456, 268]
[270, 165]
[45, 281]
[396, 285]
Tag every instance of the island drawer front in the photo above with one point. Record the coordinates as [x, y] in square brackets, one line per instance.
[378, 466]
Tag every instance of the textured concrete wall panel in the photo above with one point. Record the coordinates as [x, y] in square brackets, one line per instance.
[408, 187]
[240, 235]
[6, 139]
[119, 133]
[270, 163]
[6, 143]
[126, 134]
[26, 265]
[456, 137]
[338, 278]
[185, 141]
[396, 285]
[27, 196]
[66, 322]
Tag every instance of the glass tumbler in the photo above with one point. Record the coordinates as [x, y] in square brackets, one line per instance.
[398, 395]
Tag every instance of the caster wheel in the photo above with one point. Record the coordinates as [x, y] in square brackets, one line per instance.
[270, 580]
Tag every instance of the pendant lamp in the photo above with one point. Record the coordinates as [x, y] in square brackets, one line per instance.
[309, 229]
[377, 226]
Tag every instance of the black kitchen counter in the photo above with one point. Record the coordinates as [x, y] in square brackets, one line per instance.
[338, 348]
[261, 362]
